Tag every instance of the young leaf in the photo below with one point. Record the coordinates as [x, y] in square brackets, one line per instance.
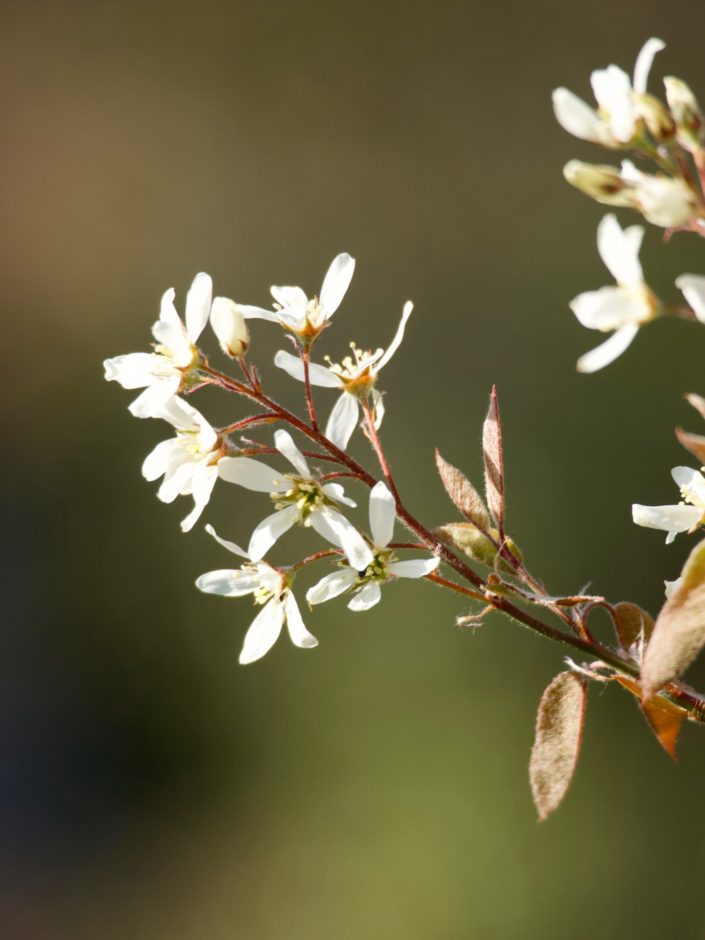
[679, 633]
[631, 623]
[494, 462]
[559, 731]
[463, 493]
[664, 717]
[695, 443]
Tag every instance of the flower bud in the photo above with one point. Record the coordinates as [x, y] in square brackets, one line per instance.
[229, 326]
[603, 183]
[686, 114]
[663, 201]
[659, 122]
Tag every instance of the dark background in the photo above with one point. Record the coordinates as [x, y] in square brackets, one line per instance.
[377, 787]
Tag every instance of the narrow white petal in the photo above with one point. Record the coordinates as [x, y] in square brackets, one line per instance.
[284, 443]
[317, 375]
[198, 305]
[263, 632]
[382, 514]
[160, 459]
[332, 585]
[252, 474]
[671, 519]
[176, 480]
[414, 568]
[693, 287]
[152, 401]
[370, 595]
[228, 582]
[289, 296]
[620, 250]
[613, 90]
[398, 337]
[644, 62]
[343, 420]
[271, 529]
[258, 313]
[135, 370]
[610, 350]
[578, 118]
[336, 529]
[297, 628]
[608, 308]
[167, 310]
[231, 546]
[180, 414]
[336, 283]
[336, 492]
[202, 485]
[692, 483]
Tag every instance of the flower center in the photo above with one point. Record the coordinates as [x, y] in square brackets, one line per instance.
[355, 370]
[305, 494]
[377, 568]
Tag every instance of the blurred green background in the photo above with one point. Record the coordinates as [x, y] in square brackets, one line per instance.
[377, 787]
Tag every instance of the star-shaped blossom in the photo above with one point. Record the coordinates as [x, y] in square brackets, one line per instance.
[616, 122]
[693, 287]
[166, 371]
[300, 499]
[271, 589]
[365, 583]
[686, 516]
[622, 309]
[190, 462]
[356, 377]
[307, 317]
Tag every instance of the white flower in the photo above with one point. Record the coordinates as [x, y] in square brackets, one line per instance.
[623, 308]
[684, 517]
[355, 376]
[662, 200]
[188, 462]
[615, 123]
[303, 316]
[693, 287]
[229, 326]
[383, 566]
[300, 499]
[164, 372]
[271, 589]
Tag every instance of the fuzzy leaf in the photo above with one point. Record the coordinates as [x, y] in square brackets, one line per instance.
[494, 462]
[559, 732]
[679, 633]
[631, 623]
[463, 493]
[698, 402]
[695, 443]
[664, 717]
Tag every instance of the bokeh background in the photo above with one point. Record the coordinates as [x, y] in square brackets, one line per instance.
[377, 787]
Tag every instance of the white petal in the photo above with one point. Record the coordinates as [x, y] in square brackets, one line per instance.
[160, 459]
[289, 296]
[613, 91]
[152, 401]
[317, 375]
[135, 370]
[578, 118]
[231, 546]
[284, 443]
[202, 485]
[271, 529]
[343, 420]
[382, 514]
[228, 582]
[620, 250]
[336, 492]
[264, 632]
[258, 313]
[297, 629]
[176, 481]
[671, 586]
[608, 308]
[332, 585]
[336, 529]
[228, 324]
[252, 474]
[370, 595]
[414, 568]
[167, 310]
[693, 287]
[692, 483]
[644, 62]
[198, 305]
[398, 337]
[180, 414]
[671, 519]
[610, 350]
[336, 283]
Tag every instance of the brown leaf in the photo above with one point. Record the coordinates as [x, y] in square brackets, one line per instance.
[698, 402]
[631, 623]
[695, 443]
[679, 633]
[559, 731]
[463, 493]
[664, 717]
[494, 462]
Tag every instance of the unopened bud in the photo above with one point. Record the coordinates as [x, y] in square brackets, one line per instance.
[230, 327]
[600, 182]
[686, 114]
[657, 118]
[468, 539]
